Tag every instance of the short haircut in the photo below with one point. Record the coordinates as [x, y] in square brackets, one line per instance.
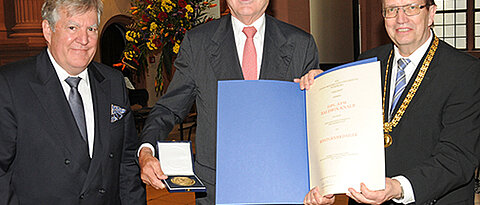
[51, 8]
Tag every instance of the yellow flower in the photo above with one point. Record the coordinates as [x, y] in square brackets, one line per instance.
[131, 35]
[189, 8]
[153, 27]
[176, 48]
[167, 6]
[129, 55]
[151, 45]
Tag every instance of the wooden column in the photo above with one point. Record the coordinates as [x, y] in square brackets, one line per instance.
[20, 29]
[28, 18]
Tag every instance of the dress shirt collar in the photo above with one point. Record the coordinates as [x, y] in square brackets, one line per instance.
[238, 26]
[62, 74]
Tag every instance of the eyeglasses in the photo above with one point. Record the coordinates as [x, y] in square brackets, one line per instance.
[409, 10]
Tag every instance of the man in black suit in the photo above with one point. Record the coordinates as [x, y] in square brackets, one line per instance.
[217, 51]
[67, 135]
[434, 133]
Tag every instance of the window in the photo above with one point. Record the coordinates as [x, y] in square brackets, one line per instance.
[457, 22]
[451, 22]
[477, 24]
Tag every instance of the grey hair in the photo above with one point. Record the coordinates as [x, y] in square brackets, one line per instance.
[51, 8]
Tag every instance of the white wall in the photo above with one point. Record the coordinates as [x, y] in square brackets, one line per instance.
[331, 24]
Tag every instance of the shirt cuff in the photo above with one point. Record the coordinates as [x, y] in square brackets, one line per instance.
[408, 195]
[148, 145]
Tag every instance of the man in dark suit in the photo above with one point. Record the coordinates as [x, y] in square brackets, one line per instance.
[434, 133]
[217, 51]
[66, 133]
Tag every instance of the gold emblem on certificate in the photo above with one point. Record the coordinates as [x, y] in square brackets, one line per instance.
[183, 181]
[387, 140]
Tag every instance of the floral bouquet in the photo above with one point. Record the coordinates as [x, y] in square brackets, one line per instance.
[158, 28]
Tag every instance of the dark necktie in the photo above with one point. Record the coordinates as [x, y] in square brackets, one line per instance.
[400, 83]
[76, 104]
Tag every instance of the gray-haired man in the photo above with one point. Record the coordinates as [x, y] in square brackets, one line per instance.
[67, 135]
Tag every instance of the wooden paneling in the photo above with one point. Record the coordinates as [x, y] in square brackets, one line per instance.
[373, 32]
[295, 12]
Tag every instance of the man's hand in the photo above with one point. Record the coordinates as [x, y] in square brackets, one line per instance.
[151, 173]
[392, 190]
[307, 80]
[314, 198]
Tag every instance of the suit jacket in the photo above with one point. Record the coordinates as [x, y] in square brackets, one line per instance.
[208, 54]
[436, 143]
[43, 159]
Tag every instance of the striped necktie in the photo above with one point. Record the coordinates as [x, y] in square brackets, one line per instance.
[400, 83]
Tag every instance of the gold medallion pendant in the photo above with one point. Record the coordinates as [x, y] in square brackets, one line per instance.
[183, 181]
[387, 140]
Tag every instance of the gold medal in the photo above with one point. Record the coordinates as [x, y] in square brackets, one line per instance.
[182, 181]
[387, 140]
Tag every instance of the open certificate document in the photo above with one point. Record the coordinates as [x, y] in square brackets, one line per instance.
[345, 129]
[276, 142]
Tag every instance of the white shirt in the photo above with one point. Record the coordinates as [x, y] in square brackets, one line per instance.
[86, 94]
[258, 39]
[415, 58]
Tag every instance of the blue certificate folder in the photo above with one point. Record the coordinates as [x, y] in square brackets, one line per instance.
[262, 151]
[261, 143]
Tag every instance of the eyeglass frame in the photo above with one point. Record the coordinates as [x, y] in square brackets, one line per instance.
[384, 11]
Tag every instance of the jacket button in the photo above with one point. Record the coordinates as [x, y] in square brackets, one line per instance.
[82, 196]
[101, 191]
[110, 155]
[67, 161]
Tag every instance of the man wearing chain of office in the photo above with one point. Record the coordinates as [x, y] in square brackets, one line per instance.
[431, 103]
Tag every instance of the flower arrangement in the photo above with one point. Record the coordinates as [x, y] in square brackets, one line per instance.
[158, 28]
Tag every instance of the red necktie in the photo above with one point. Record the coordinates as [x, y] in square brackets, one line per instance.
[249, 62]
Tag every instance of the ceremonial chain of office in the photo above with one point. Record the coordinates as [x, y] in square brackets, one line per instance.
[388, 126]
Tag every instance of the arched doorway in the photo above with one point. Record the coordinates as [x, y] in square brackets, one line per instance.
[112, 39]
[112, 44]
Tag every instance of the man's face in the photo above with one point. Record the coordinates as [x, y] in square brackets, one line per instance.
[249, 10]
[74, 41]
[409, 32]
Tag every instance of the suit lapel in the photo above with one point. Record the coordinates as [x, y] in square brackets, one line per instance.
[100, 88]
[277, 51]
[222, 52]
[423, 86]
[51, 96]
